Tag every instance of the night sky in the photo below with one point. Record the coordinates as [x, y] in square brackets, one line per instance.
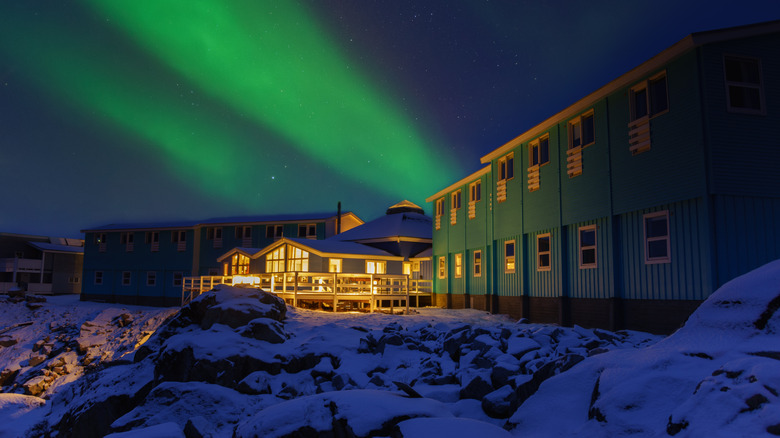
[126, 111]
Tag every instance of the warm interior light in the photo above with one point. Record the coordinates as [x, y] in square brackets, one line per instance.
[246, 279]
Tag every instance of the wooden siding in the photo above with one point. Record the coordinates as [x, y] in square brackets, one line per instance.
[674, 168]
[587, 196]
[542, 208]
[476, 285]
[508, 215]
[687, 275]
[744, 151]
[747, 234]
[591, 282]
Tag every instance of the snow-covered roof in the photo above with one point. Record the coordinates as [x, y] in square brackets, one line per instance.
[249, 252]
[328, 247]
[406, 224]
[51, 247]
[144, 226]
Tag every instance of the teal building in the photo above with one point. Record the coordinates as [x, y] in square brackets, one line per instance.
[147, 263]
[631, 206]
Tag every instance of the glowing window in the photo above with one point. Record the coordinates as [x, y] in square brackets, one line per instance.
[442, 267]
[334, 265]
[274, 261]
[240, 264]
[458, 265]
[376, 267]
[297, 259]
[509, 256]
[543, 252]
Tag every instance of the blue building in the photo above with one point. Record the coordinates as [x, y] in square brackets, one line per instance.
[631, 206]
[147, 263]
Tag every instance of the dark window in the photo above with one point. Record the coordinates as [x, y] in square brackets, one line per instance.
[588, 130]
[743, 80]
[657, 238]
[658, 100]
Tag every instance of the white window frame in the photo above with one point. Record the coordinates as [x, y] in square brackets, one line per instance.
[648, 240]
[98, 280]
[151, 279]
[510, 262]
[442, 270]
[539, 253]
[759, 86]
[127, 278]
[593, 247]
[477, 269]
[335, 265]
[458, 265]
[376, 267]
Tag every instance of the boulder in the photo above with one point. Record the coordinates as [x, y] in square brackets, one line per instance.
[265, 329]
[477, 388]
[498, 404]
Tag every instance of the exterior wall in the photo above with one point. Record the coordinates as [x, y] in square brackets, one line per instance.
[592, 282]
[744, 156]
[64, 269]
[509, 284]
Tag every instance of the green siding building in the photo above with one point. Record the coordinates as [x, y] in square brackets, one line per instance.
[631, 206]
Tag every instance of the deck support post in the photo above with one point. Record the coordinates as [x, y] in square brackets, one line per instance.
[407, 294]
[334, 288]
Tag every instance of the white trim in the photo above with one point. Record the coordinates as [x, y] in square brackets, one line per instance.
[668, 238]
[759, 86]
[458, 268]
[512, 270]
[595, 246]
[475, 264]
[441, 268]
[539, 266]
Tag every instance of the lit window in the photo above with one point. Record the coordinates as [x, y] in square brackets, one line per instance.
[509, 257]
[376, 267]
[657, 239]
[239, 265]
[543, 252]
[126, 278]
[274, 261]
[458, 265]
[587, 240]
[407, 268]
[415, 266]
[649, 98]
[151, 278]
[98, 277]
[477, 263]
[274, 231]
[743, 85]
[297, 259]
[442, 267]
[334, 265]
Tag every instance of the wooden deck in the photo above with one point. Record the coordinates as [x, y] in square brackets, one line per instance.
[336, 291]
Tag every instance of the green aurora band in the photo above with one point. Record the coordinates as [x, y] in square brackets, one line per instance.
[276, 66]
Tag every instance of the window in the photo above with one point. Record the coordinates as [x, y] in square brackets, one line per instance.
[74, 279]
[239, 265]
[543, 252]
[274, 261]
[152, 237]
[539, 150]
[649, 98]
[98, 278]
[439, 212]
[657, 240]
[308, 231]
[442, 267]
[407, 268]
[458, 265]
[178, 236]
[454, 207]
[214, 233]
[587, 239]
[582, 131]
[376, 267]
[151, 278]
[297, 259]
[475, 191]
[509, 256]
[506, 167]
[178, 279]
[274, 231]
[416, 266]
[100, 238]
[477, 263]
[334, 265]
[126, 239]
[744, 92]
[244, 232]
[126, 278]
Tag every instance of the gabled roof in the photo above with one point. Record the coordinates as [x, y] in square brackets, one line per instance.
[51, 247]
[249, 252]
[653, 64]
[329, 248]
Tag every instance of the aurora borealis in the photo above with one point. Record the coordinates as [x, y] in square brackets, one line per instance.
[116, 111]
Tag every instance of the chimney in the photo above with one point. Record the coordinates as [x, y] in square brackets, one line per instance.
[338, 219]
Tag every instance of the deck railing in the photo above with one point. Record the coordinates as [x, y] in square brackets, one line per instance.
[318, 286]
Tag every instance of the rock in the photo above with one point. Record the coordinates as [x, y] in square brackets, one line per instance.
[35, 386]
[477, 388]
[255, 383]
[265, 329]
[498, 404]
[234, 307]
[7, 341]
[35, 299]
[7, 376]
[37, 346]
[502, 374]
[36, 359]
[123, 320]
[197, 427]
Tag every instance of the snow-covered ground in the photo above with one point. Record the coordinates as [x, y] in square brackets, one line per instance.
[237, 362]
